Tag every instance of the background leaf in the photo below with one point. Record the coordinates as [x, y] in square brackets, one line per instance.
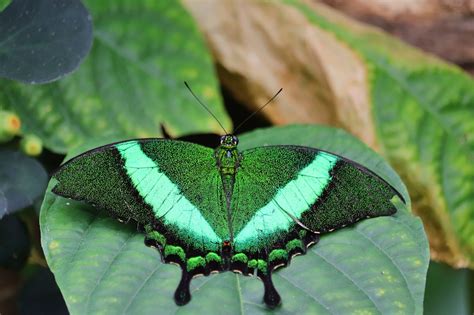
[3, 203]
[131, 82]
[23, 180]
[424, 118]
[379, 266]
[43, 40]
[40, 294]
[4, 4]
[448, 291]
[14, 243]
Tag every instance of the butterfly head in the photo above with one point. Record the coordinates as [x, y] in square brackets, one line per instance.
[229, 141]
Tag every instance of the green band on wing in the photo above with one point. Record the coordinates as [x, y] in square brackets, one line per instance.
[165, 198]
[294, 198]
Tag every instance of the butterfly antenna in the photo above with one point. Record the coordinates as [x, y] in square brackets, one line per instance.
[258, 110]
[205, 107]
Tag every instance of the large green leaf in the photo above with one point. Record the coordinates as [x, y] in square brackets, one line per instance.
[423, 110]
[448, 291]
[40, 294]
[378, 266]
[4, 4]
[131, 82]
[41, 40]
[22, 181]
[15, 244]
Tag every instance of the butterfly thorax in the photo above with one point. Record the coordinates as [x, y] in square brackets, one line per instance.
[227, 155]
[227, 160]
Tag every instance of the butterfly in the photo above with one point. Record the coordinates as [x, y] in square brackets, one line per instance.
[214, 210]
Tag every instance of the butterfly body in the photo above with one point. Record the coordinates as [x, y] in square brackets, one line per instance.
[227, 161]
[219, 210]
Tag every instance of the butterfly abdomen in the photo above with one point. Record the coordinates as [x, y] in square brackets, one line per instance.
[227, 161]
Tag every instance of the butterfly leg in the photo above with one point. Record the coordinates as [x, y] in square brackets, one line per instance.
[182, 294]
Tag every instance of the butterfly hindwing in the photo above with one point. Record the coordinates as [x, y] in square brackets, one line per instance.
[172, 188]
[256, 217]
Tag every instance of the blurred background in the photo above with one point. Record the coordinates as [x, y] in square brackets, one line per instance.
[444, 28]
[395, 74]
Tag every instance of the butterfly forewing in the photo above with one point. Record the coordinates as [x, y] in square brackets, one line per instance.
[172, 187]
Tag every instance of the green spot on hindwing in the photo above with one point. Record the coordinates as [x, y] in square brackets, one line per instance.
[154, 235]
[210, 257]
[290, 201]
[177, 251]
[240, 257]
[195, 262]
[294, 244]
[278, 255]
[262, 266]
[252, 263]
[157, 236]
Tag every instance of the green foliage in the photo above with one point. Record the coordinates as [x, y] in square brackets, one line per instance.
[424, 121]
[41, 42]
[377, 266]
[9, 125]
[4, 4]
[22, 181]
[14, 243]
[131, 82]
[448, 291]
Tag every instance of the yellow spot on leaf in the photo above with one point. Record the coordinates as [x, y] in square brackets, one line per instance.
[101, 124]
[399, 304]
[53, 245]
[44, 109]
[388, 276]
[208, 92]
[190, 73]
[144, 134]
[363, 312]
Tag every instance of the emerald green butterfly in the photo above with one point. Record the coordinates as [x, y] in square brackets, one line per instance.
[214, 210]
